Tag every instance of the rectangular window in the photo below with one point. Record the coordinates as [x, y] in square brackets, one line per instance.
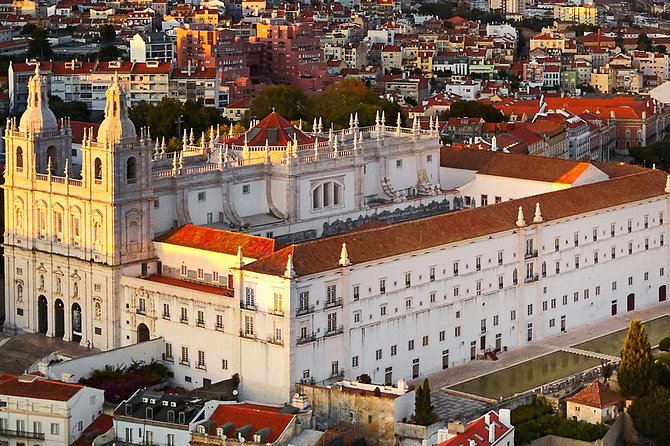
[442, 335]
[612, 230]
[552, 323]
[201, 274]
[278, 306]
[219, 321]
[661, 272]
[424, 341]
[184, 315]
[382, 286]
[598, 290]
[495, 320]
[410, 344]
[382, 310]
[201, 318]
[354, 361]
[432, 298]
[530, 309]
[484, 200]
[482, 325]
[202, 196]
[55, 429]
[478, 263]
[394, 350]
[660, 218]
[501, 282]
[630, 225]
[500, 258]
[357, 317]
[558, 266]
[586, 294]
[455, 268]
[565, 300]
[246, 189]
[595, 234]
[184, 270]
[478, 287]
[576, 262]
[408, 280]
[224, 364]
[553, 303]
[249, 297]
[201, 359]
[378, 354]
[646, 221]
[184, 355]
[557, 244]
[661, 239]
[595, 257]
[614, 286]
[408, 303]
[630, 280]
[431, 274]
[356, 292]
[215, 276]
[248, 325]
[512, 315]
[613, 253]
[455, 291]
[575, 296]
[457, 331]
[646, 244]
[332, 322]
[646, 276]
[576, 238]
[331, 294]
[545, 305]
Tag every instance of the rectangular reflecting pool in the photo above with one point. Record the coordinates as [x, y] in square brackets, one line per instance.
[527, 375]
[612, 343]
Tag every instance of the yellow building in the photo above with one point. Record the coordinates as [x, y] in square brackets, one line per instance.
[586, 14]
[547, 42]
[207, 16]
[602, 80]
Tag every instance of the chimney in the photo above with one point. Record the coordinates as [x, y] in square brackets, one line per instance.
[505, 417]
[472, 442]
[487, 419]
[492, 433]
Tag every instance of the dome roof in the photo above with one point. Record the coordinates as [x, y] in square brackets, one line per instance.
[116, 126]
[38, 117]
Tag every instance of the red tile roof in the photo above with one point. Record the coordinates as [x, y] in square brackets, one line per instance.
[78, 130]
[101, 425]
[276, 130]
[323, 254]
[597, 395]
[478, 432]
[257, 416]
[192, 285]
[218, 240]
[38, 388]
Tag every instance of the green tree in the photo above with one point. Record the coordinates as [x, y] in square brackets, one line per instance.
[424, 413]
[107, 34]
[644, 43]
[28, 29]
[473, 109]
[139, 114]
[75, 110]
[290, 102]
[636, 361]
[650, 416]
[338, 102]
[109, 52]
[38, 45]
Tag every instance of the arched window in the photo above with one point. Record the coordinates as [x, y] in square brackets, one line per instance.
[19, 159]
[98, 169]
[627, 134]
[131, 170]
[328, 194]
[52, 160]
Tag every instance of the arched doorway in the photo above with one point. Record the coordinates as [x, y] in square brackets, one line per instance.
[42, 315]
[142, 333]
[52, 156]
[59, 319]
[661, 293]
[631, 302]
[76, 322]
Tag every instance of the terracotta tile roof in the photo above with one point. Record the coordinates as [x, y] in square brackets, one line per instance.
[478, 432]
[597, 395]
[276, 130]
[257, 416]
[191, 285]
[101, 425]
[536, 168]
[78, 130]
[38, 388]
[321, 255]
[218, 240]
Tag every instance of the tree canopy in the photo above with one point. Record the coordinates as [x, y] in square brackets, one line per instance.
[636, 361]
[38, 45]
[288, 101]
[162, 117]
[650, 415]
[75, 110]
[473, 109]
[424, 414]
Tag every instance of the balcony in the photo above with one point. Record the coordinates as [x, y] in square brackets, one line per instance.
[183, 320]
[530, 254]
[333, 303]
[21, 434]
[276, 341]
[184, 361]
[201, 366]
[246, 306]
[276, 312]
[247, 334]
[167, 358]
[533, 278]
[200, 324]
[305, 339]
[334, 331]
[141, 311]
[301, 311]
[166, 316]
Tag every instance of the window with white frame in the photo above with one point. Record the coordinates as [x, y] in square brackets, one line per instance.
[327, 195]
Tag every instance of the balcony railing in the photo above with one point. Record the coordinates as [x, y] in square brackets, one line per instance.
[22, 434]
[185, 361]
[333, 303]
[276, 341]
[167, 358]
[335, 331]
[141, 311]
[245, 334]
[533, 278]
[530, 254]
[246, 306]
[305, 339]
[301, 311]
[201, 366]
[276, 311]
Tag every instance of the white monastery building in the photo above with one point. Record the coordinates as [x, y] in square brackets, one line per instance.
[215, 250]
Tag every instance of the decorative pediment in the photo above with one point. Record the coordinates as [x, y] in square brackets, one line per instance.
[75, 275]
[58, 272]
[41, 268]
